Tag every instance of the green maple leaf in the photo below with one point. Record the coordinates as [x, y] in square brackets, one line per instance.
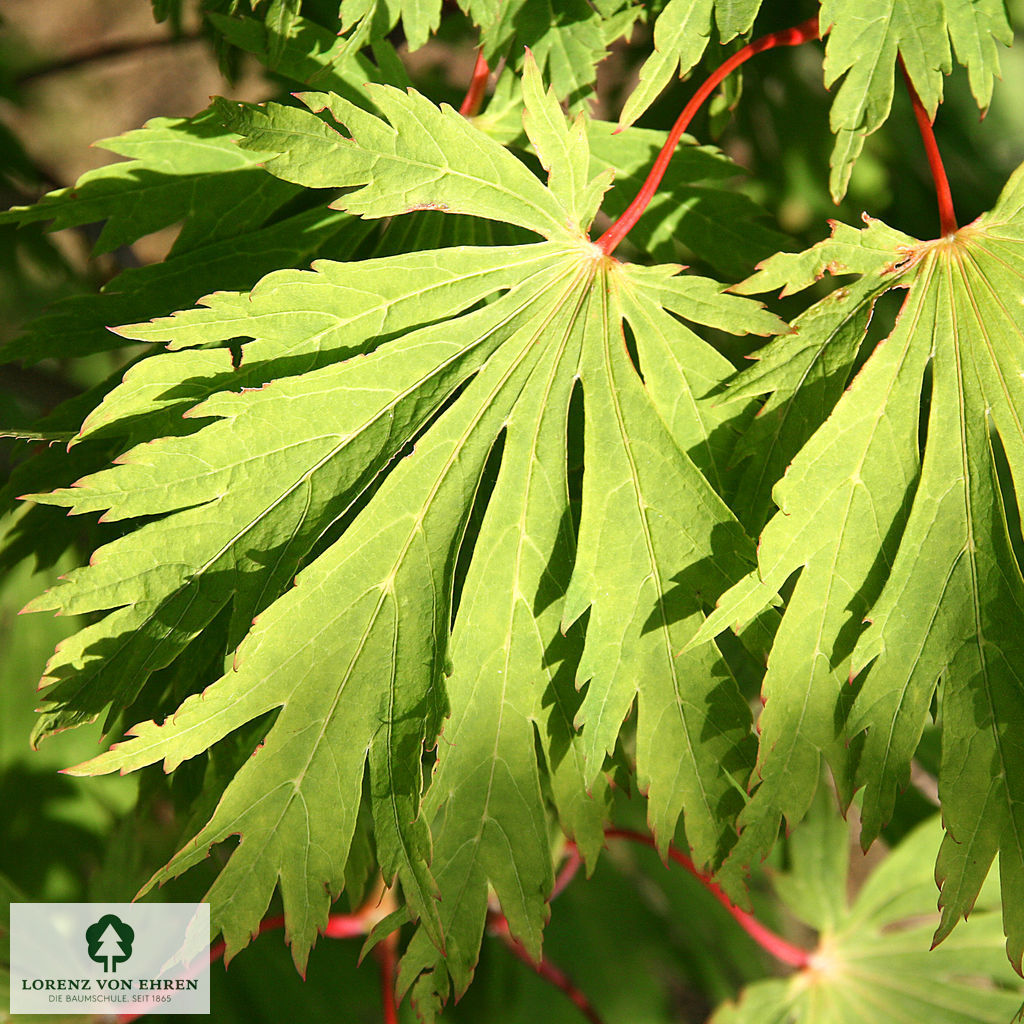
[179, 169]
[867, 37]
[419, 18]
[380, 401]
[696, 214]
[306, 52]
[918, 540]
[234, 229]
[681, 35]
[567, 38]
[872, 963]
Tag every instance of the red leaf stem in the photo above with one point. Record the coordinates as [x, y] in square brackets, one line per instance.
[386, 955]
[801, 33]
[498, 925]
[778, 947]
[947, 215]
[477, 88]
[567, 871]
[343, 926]
[339, 926]
[347, 926]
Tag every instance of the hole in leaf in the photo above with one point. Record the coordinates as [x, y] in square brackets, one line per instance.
[1008, 496]
[344, 519]
[574, 456]
[484, 490]
[925, 410]
[634, 356]
[881, 322]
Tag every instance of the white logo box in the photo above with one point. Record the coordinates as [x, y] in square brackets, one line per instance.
[110, 958]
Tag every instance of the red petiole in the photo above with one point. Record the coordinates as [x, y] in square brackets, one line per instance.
[498, 925]
[339, 926]
[343, 926]
[947, 216]
[386, 954]
[801, 33]
[477, 88]
[784, 951]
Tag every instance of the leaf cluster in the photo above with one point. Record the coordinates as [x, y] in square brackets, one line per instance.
[421, 525]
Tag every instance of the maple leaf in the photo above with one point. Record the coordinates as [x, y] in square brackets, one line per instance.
[567, 38]
[308, 53]
[234, 229]
[918, 539]
[396, 392]
[865, 39]
[173, 165]
[361, 18]
[681, 35]
[871, 962]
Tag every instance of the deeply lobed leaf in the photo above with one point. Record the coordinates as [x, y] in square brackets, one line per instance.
[380, 402]
[867, 37]
[871, 963]
[917, 540]
[681, 34]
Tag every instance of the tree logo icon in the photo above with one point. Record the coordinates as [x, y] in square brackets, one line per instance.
[110, 942]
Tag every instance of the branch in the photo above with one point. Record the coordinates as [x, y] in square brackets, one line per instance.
[801, 33]
[947, 215]
[105, 51]
[497, 924]
[784, 951]
[348, 926]
[342, 926]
